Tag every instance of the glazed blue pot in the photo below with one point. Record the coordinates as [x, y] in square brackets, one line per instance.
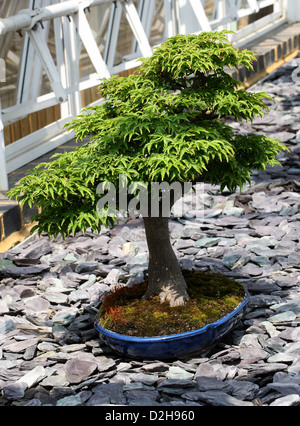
[180, 345]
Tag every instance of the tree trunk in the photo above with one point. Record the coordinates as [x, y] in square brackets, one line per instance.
[165, 276]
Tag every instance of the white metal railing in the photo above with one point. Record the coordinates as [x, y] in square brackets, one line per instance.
[72, 30]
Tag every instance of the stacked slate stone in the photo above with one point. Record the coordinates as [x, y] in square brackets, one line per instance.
[50, 291]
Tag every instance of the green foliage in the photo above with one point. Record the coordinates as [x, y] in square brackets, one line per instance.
[162, 123]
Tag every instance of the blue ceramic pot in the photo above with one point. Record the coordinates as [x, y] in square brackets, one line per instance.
[180, 345]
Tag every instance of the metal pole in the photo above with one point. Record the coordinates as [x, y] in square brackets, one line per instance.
[86, 35]
[41, 47]
[3, 172]
[27, 18]
[200, 15]
[292, 8]
[113, 33]
[137, 28]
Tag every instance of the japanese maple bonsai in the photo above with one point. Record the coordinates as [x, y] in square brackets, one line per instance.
[163, 123]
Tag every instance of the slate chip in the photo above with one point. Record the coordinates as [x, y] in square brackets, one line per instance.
[50, 293]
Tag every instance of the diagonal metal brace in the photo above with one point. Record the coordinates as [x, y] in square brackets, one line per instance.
[253, 5]
[42, 49]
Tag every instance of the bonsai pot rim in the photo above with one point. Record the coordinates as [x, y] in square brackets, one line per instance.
[179, 345]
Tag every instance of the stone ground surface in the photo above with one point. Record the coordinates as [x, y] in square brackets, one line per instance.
[50, 353]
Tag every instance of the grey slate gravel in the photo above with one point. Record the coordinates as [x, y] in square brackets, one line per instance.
[50, 292]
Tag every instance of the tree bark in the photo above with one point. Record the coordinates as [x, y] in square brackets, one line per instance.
[165, 276]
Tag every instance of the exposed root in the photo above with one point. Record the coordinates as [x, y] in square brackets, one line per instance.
[175, 298]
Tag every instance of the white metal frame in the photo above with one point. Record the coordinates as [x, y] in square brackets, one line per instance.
[72, 29]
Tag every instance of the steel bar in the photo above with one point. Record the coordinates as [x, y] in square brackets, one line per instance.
[3, 169]
[27, 18]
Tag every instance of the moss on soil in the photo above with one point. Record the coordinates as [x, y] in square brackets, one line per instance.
[212, 296]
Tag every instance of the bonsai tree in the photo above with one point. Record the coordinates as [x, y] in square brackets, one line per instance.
[163, 123]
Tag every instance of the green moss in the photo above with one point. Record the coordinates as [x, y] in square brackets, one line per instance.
[212, 296]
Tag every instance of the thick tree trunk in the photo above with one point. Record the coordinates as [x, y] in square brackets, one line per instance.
[165, 276]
